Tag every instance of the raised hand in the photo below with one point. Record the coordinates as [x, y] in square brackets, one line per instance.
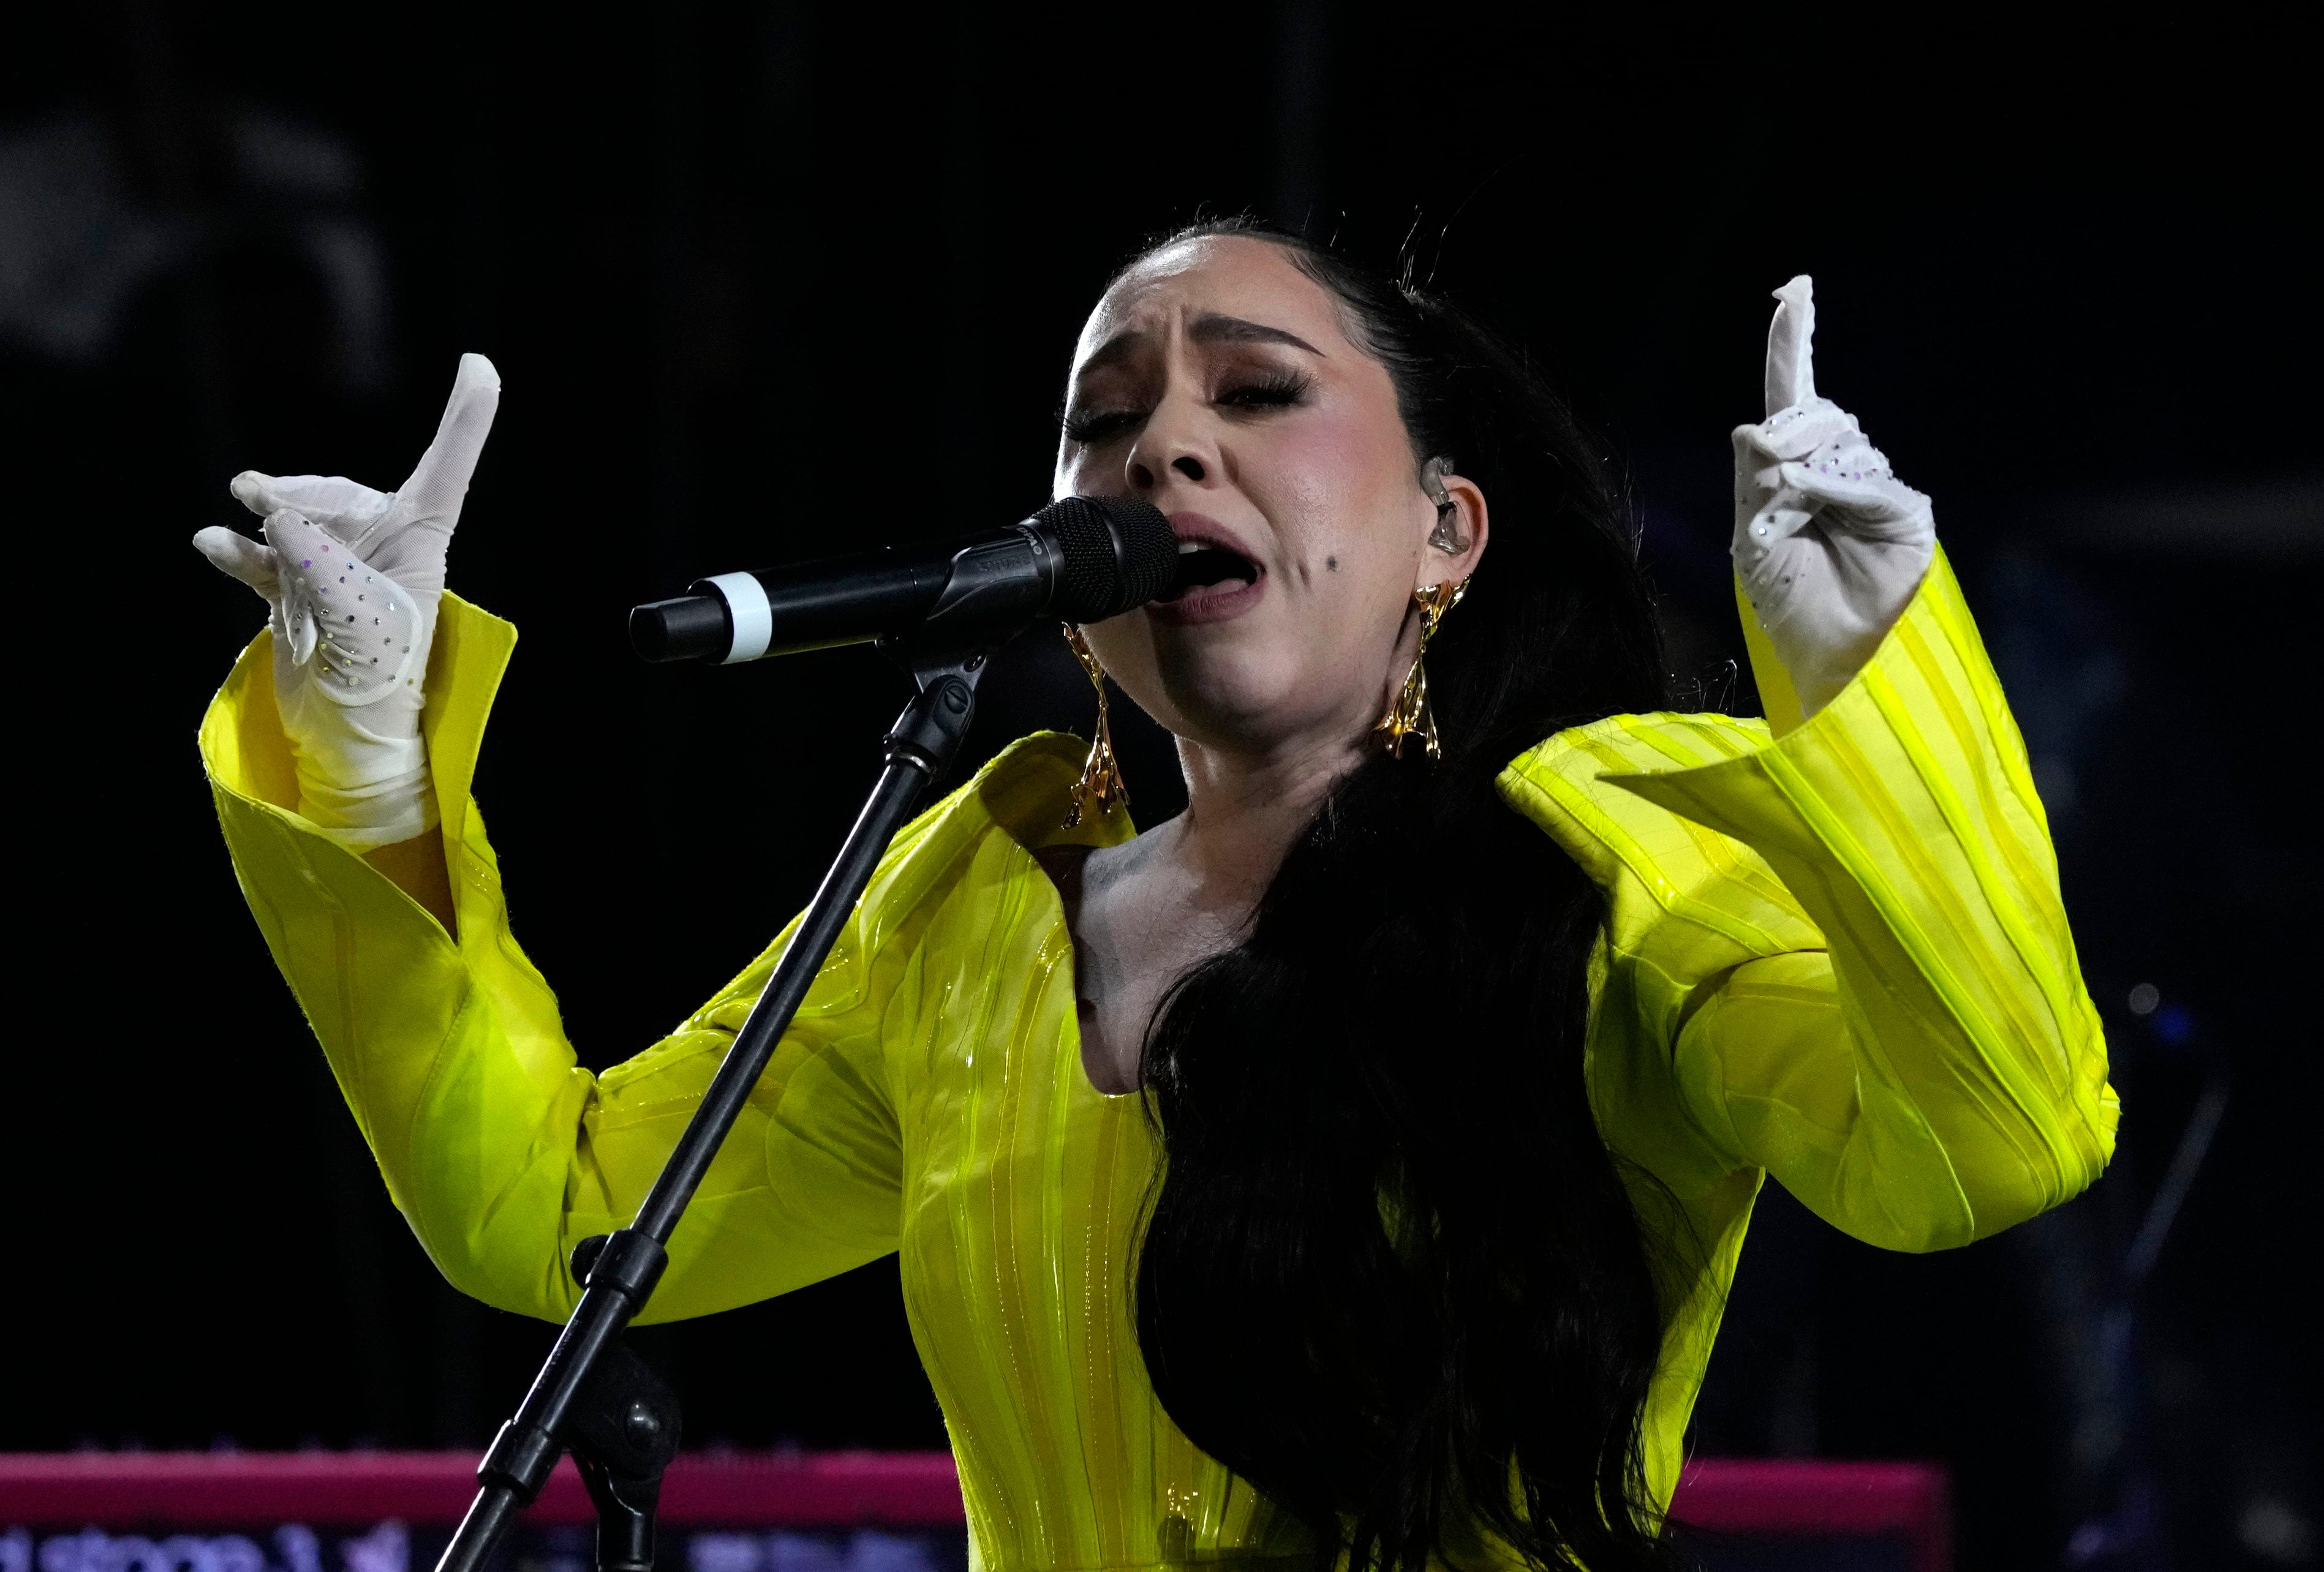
[1828, 544]
[351, 577]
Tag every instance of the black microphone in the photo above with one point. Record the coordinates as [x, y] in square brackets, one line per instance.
[1082, 559]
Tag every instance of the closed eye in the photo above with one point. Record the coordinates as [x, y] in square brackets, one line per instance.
[1270, 391]
[1267, 391]
[1088, 426]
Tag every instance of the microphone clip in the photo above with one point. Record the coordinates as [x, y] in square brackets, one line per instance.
[930, 732]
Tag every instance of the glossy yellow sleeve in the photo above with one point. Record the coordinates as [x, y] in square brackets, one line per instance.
[498, 1148]
[1935, 1071]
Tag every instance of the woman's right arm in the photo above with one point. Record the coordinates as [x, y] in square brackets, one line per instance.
[499, 1149]
[340, 753]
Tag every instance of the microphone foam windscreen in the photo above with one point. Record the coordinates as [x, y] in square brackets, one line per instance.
[1118, 554]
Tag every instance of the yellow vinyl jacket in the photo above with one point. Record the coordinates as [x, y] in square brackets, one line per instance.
[1836, 955]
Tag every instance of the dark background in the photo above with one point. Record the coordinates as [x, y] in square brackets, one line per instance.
[766, 281]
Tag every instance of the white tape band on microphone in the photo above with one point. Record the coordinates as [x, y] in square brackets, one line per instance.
[746, 606]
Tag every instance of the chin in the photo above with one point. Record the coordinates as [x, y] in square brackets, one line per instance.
[1221, 696]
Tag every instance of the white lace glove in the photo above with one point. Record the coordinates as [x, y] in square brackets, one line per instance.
[1829, 545]
[351, 578]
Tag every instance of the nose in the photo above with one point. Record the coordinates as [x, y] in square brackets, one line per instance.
[1172, 444]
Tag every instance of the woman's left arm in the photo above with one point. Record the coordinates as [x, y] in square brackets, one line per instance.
[1937, 1071]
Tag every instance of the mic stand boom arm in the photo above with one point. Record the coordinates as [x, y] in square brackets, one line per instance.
[622, 1270]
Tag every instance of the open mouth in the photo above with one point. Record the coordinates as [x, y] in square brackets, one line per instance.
[1202, 566]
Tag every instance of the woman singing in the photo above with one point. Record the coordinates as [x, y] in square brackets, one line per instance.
[1351, 1168]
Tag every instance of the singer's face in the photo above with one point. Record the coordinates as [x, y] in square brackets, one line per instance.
[1219, 382]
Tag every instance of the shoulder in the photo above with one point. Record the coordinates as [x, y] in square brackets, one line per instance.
[1695, 899]
[959, 870]
[979, 841]
[1570, 785]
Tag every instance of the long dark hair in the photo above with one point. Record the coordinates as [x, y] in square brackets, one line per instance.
[1391, 1275]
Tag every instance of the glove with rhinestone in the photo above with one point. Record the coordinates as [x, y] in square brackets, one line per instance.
[351, 578]
[1828, 544]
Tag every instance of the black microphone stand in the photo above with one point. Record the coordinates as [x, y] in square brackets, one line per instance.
[593, 1394]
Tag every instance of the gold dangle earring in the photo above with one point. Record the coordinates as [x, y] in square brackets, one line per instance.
[1099, 789]
[1410, 716]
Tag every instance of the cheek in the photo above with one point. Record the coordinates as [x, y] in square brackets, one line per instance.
[1333, 494]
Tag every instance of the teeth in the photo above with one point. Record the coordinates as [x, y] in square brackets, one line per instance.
[1187, 546]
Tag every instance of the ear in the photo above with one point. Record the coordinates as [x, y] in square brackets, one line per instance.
[1472, 524]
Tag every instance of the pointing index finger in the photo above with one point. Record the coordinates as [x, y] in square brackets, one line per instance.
[440, 479]
[1790, 369]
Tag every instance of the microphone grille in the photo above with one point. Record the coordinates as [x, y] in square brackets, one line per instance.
[1119, 553]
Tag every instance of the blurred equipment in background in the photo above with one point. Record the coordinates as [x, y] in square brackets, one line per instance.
[80, 244]
[847, 1512]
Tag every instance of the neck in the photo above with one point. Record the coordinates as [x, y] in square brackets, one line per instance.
[1243, 811]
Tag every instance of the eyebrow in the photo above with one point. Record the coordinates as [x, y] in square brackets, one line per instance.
[1210, 327]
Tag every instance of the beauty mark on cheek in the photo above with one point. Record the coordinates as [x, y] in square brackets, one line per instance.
[1332, 562]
